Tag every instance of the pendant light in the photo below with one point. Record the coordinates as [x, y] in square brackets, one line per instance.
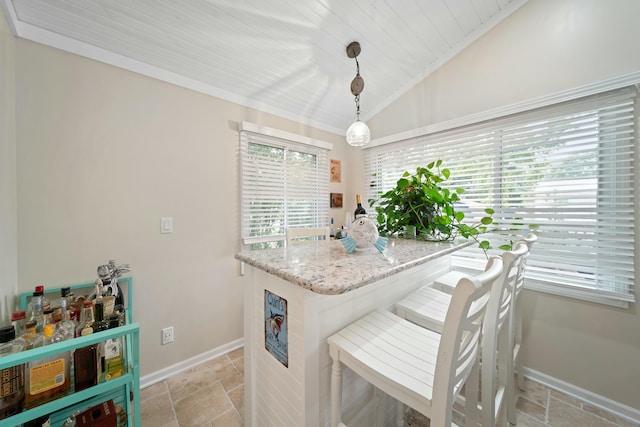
[358, 133]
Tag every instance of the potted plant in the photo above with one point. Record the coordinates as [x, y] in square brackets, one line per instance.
[419, 205]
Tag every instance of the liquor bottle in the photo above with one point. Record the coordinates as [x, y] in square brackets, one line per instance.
[66, 325]
[100, 324]
[48, 331]
[86, 319]
[35, 312]
[120, 312]
[12, 378]
[97, 291]
[47, 319]
[22, 336]
[332, 231]
[36, 338]
[46, 304]
[57, 314]
[359, 209]
[85, 367]
[113, 353]
[59, 334]
[48, 378]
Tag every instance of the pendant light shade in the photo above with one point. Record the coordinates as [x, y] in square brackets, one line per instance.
[358, 133]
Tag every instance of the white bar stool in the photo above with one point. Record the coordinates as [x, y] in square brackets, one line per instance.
[418, 367]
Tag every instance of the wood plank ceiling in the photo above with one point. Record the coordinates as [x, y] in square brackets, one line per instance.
[285, 57]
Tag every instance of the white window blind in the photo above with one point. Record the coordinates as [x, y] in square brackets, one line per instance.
[284, 183]
[567, 169]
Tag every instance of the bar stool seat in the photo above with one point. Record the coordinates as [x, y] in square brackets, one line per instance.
[416, 366]
[426, 306]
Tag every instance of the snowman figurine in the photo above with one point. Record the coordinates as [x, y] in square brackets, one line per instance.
[362, 233]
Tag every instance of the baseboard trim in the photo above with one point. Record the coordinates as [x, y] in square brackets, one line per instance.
[604, 403]
[163, 374]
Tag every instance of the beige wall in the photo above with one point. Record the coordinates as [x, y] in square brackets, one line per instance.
[102, 155]
[173, 152]
[546, 47]
[8, 221]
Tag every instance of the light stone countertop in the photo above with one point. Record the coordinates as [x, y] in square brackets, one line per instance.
[325, 267]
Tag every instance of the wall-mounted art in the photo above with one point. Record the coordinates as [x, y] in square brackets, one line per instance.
[336, 171]
[336, 200]
[276, 337]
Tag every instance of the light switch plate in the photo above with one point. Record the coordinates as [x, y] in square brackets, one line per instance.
[166, 225]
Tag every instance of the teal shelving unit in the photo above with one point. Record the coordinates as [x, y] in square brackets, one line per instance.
[124, 390]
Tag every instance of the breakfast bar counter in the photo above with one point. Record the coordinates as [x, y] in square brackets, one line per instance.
[296, 297]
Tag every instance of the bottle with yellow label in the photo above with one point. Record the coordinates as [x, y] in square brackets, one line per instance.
[113, 354]
[48, 378]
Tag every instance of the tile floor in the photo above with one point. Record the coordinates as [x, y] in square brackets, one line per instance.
[212, 395]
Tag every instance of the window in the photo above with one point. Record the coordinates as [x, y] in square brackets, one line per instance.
[567, 169]
[284, 183]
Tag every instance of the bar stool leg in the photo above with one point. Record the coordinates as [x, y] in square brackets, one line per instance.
[471, 390]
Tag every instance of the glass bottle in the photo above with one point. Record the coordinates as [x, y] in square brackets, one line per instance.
[21, 336]
[48, 333]
[86, 315]
[12, 378]
[86, 319]
[85, 367]
[57, 314]
[47, 318]
[332, 230]
[46, 304]
[74, 307]
[35, 312]
[97, 291]
[66, 325]
[36, 338]
[86, 359]
[113, 353]
[359, 209]
[48, 378]
[29, 339]
[100, 324]
[120, 312]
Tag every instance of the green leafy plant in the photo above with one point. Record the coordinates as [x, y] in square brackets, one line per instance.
[419, 200]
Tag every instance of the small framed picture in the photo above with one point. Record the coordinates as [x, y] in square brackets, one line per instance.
[336, 171]
[276, 324]
[336, 200]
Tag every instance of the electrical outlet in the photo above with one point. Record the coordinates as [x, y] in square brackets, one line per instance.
[167, 335]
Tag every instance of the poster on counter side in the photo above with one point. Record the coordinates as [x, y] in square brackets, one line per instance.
[276, 338]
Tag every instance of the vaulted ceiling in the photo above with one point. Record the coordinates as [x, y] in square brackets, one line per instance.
[285, 57]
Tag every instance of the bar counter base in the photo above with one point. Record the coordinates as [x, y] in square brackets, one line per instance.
[299, 394]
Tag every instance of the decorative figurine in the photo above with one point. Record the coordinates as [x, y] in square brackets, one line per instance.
[362, 233]
[109, 275]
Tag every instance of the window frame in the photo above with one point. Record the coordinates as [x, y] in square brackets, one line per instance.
[317, 175]
[407, 142]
